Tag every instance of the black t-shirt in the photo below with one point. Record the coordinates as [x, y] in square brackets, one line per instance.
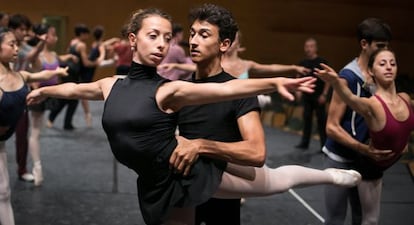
[312, 64]
[215, 121]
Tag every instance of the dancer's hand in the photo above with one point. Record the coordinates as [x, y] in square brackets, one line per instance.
[302, 70]
[62, 71]
[327, 74]
[286, 86]
[166, 66]
[35, 97]
[184, 155]
[377, 154]
[42, 37]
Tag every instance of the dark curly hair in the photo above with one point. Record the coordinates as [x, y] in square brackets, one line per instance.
[374, 29]
[218, 16]
[3, 32]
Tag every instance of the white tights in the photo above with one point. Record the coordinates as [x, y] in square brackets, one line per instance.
[6, 211]
[36, 123]
[270, 181]
[370, 197]
[266, 181]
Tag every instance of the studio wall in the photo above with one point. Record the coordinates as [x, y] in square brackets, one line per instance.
[273, 30]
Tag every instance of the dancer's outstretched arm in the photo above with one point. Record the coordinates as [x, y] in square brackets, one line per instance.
[172, 96]
[360, 105]
[337, 108]
[44, 74]
[97, 90]
[270, 70]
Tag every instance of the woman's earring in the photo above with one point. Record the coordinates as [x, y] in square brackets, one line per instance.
[132, 48]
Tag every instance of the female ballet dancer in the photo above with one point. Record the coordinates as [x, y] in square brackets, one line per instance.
[48, 60]
[140, 119]
[390, 118]
[13, 91]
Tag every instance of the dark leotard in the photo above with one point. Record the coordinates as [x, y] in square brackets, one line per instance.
[142, 137]
[89, 72]
[394, 135]
[12, 105]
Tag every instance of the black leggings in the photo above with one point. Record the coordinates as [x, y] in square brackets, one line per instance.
[70, 111]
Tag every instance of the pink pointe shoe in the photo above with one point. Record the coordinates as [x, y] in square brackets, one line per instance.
[38, 175]
[345, 178]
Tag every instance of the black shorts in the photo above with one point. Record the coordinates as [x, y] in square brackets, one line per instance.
[368, 169]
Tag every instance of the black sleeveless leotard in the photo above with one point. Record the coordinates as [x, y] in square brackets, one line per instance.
[12, 106]
[142, 138]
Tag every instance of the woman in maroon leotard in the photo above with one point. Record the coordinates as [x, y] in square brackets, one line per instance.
[390, 118]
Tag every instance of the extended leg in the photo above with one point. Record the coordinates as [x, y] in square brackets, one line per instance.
[272, 181]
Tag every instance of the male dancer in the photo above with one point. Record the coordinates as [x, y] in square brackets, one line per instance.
[313, 102]
[236, 121]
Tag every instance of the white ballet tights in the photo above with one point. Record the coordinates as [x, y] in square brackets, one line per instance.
[270, 181]
[265, 181]
[6, 211]
[370, 197]
[36, 123]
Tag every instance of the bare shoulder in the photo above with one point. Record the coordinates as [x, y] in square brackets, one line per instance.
[405, 96]
[374, 102]
[81, 46]
[106, 84]
[377, 111]
[249, 63]
[174, 84]
[24, 74]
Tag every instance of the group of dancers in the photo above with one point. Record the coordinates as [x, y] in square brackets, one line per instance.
[177, 173]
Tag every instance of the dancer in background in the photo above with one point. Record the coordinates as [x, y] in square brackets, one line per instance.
[13, 91]
[123, 53]
[176, 54]
[48, 60]
[96, 54]
[390, 118]
[26, 61]
[4, 19]
[77, 69]
[315, 101]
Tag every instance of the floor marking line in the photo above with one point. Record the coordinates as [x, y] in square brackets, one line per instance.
[306, 205]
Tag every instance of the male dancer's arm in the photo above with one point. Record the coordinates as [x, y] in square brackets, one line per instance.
[251, 151]
[335, 131]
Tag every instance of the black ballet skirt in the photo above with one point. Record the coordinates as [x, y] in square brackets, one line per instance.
[142, 137]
